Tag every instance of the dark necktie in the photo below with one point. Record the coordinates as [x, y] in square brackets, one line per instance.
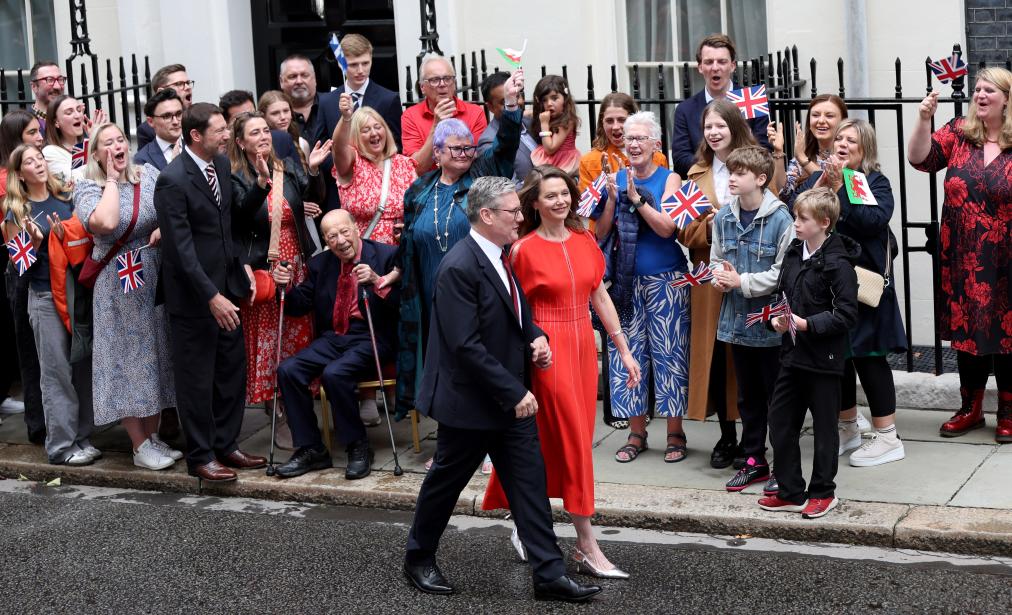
[212, 180]
[344, 300]
[356, 100]
[513, 287]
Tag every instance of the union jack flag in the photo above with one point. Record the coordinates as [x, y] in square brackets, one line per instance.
[21, 251]
[947, 69]
[591, 196]
[792, 327]
[702, 273]
[751, 101]
[131, 270]
[768, 312]
[79, 155]
[686, 205]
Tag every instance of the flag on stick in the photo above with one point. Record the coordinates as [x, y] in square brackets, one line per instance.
[751, 101]
[130, 268]
[21, 251]
[686, 205]
[335, 46]
[512, 55]
[702, 273]
[591, 196]
[948, 69]
[857, 188]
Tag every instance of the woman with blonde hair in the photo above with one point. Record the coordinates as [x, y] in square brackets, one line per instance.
[131, 366]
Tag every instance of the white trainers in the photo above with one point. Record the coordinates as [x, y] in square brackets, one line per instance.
[92, 452]
[878, 450]
[80, 458]
[163, 448]
[850, 436]
[863, 424]
[148, 456]
[12, 406]
[368, 411]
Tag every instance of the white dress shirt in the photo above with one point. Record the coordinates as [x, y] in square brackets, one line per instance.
[494, 254]
[721, 175]
[165, 147]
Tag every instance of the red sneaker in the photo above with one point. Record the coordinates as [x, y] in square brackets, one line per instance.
[818, 507]
[773, 503]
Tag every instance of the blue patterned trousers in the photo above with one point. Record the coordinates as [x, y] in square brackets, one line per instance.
[658, 334]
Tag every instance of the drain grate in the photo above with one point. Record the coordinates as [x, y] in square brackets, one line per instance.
[924, 360]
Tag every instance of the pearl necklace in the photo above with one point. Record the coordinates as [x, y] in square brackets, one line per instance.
[444, 243]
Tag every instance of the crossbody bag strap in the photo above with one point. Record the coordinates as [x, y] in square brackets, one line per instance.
[130, 228]
[384, 195]
[276, 213]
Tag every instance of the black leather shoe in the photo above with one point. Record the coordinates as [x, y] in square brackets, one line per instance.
[428, 578]
[723, 454]
[566, 590]
[360, 456]
[306, 459]
[739, 458]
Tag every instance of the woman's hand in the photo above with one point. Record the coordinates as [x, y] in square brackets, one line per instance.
[611, 185]
[928, 106]
[318, 155]
[346, 106]
[252, 283]
[832, 174]
[55, 225]
[34, 232]
[263, 172]
[311, 210]
[799, 140]
[389, 279]
[97, 118]
[775, 134]
[632, 367]
[156, 237]
[634, 196]
[110, 167]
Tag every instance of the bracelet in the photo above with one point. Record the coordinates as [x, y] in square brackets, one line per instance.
[805, 163]
[614, 333]
[545, 133]
[779, 156]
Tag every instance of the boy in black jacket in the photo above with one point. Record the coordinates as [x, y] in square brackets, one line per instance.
[820, 285]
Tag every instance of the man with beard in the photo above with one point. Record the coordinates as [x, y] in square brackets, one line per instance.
[47, 83]
[298, 80]
[172, 76]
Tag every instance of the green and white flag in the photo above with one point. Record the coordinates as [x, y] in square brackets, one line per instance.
[857, 188]
[512, 55]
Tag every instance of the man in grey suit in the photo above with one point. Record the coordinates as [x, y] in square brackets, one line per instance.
[494, 97]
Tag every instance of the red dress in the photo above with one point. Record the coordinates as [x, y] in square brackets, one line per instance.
[557, 279]
[975, 243]
[260, 322]
[361, 195]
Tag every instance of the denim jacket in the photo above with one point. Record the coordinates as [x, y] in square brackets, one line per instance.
[756, 253]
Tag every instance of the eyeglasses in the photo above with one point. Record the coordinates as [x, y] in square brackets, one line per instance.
[51, 80]
[179, 85]
[168, 117]
[639, 140]
[515, 212]
[437, 81]
[462, 151]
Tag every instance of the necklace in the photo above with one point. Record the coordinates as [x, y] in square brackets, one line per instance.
[444, 243]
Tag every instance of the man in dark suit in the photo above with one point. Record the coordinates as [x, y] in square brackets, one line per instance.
[715, 58]
[340, 281]
[164, 111]
[175, 77]
[234, 102]
[364, 93]
[477, 386]
[492, 92]
[202, 281]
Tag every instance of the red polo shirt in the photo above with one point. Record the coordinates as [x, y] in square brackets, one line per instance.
[417, 122]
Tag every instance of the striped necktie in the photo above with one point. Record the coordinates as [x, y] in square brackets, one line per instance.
[356, 100]
[212, 180]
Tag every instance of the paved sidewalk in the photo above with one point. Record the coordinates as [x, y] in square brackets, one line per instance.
[948, 494]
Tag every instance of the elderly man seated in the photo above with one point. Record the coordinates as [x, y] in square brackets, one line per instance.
[339, 283]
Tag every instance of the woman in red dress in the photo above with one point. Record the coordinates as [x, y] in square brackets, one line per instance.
[560, 268]
[975, 242]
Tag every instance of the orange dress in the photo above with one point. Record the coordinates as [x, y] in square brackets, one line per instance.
[557, 279]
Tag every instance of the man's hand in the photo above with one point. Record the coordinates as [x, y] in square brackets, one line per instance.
[225, 313]
[542, 353]
[726, 278]
[514, 87]
[282, 275]
[445, 109]
[527, 407]
[252, 283]
[346, 106]
[364, 274]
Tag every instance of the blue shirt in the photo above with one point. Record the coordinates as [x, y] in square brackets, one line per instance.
[654, 254]
[38, 273]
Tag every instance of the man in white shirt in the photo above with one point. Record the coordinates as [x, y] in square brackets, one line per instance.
[164, 111]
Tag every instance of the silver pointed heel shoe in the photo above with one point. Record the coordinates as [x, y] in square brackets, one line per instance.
[519, 546]
[585, 566]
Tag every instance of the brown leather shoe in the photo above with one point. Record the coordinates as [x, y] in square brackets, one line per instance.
[213, 472]
[243, 461]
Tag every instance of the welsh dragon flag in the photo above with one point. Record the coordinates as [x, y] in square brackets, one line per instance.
[512, 55]
[857, 188]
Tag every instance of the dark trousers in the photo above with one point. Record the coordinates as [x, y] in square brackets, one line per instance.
[210, 369]
[796, 392]
[718, 390]
[877, 382]
[516, 455]
[974, 370]
[340, 361]
[27, 356]
[756, 372]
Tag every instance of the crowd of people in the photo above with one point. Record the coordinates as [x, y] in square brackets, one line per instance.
[271, 233]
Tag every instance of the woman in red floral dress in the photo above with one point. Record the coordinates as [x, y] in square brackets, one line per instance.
[975, 243]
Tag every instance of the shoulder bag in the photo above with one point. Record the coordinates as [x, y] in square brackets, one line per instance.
[91, 267]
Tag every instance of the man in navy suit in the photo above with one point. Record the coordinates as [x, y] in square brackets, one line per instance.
[175, 77]
[164, 111]
[482, 342]
[340, 280]
[364, 93]
[492, 92]
[715, 57]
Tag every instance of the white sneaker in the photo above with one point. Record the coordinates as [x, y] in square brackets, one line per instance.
[368, 411]
[863, 424]
[80, 458]
[12, 406]
[519, 546]
[850, 436]
[878, 450]
[92, 452]
[147, 456]
[164, 448]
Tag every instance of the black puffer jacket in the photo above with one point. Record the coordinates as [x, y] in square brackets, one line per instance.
[822, 290]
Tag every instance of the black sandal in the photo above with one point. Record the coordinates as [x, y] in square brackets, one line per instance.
[676, 448]
[631, 449]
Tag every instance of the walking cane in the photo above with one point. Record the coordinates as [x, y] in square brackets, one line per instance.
[379, 378]
[271, 466]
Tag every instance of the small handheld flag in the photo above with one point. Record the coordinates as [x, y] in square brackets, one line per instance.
[591, 196]
[686, 205]
[948, 69]
[792, 327]
[130, 268]
[21, 251]
[857, 188]
[335, 46]
[751, 101]
[702, 273]
[79, 155]
[767, 313]
[512, 55]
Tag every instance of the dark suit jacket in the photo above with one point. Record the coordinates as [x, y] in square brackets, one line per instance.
[384, 101]
[145, 135]
[151, 154]
[687, 132]
[199, 259]
[477, 365]
[318, 293]
[522, 165]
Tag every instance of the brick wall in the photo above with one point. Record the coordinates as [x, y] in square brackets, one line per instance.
[988, 31]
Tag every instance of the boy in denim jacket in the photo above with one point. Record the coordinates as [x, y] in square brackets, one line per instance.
[750, 238]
